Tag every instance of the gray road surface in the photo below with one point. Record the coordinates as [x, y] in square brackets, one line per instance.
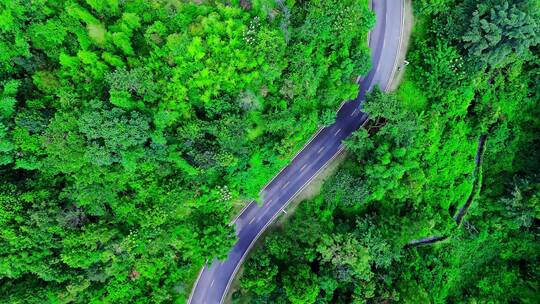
[385, 38]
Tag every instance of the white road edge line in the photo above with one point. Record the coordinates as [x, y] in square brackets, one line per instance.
[342, 104]
[271, 221]
[380, 61]
[240, 214]
[197, 281]
[399, 45]
[292, 159]
[365, 121]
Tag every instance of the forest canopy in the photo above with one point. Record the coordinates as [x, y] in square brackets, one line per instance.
[439, 199]
[131, 131]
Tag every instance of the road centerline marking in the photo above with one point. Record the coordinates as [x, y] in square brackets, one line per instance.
[286, 184]
[251, 221]
[303, 167]
[337, 132]
[354, 112]
[320, 150]
[212, 284]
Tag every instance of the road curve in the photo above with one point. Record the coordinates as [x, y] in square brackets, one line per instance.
[215, 279]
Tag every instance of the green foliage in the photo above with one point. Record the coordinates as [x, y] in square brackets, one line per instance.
[121, 122]
[501, 33]
[327, 253]
[300, 285]
[261, 279]
[412, 97]
[413, 166]
[7, 107]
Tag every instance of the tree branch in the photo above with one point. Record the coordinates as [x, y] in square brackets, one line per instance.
[463, 210]
[426, 241]
[478, 162]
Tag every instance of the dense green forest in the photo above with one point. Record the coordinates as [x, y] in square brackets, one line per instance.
[131, 131]
[394, 224]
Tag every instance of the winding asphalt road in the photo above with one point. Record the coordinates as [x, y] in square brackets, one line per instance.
[385, 41]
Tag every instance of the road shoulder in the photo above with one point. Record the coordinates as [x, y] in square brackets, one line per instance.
[309, 192]
[408, 23]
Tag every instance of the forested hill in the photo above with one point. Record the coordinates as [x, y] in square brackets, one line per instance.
[130, 130]
[451, 161]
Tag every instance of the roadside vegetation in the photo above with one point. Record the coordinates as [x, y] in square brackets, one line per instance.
[130, 129]
[440, 199]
